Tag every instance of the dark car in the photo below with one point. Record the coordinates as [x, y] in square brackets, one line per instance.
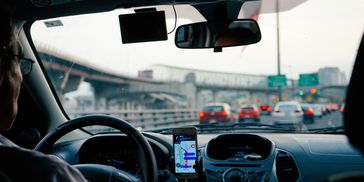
[216, 112]
[265, 109]
[308, 113]
[342, 108]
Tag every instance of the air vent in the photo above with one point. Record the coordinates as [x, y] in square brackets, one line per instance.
[237, 165]
[286, 168]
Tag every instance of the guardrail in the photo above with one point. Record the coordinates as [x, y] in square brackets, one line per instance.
[146, 119]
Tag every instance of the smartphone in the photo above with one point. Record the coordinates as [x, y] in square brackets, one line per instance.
[185, 152]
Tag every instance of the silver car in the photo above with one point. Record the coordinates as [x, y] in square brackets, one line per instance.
[287, 112]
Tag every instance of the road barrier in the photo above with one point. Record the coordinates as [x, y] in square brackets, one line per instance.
[146, 119]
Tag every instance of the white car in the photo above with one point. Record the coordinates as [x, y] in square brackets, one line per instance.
[287, 112]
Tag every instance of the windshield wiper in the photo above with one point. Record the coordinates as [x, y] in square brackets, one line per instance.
[161, 131]
[229, 126]
[338, 129]
[252, 126]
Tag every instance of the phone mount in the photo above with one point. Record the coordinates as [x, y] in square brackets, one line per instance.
[198, 167]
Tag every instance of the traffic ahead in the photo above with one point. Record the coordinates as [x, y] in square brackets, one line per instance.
[289, 113]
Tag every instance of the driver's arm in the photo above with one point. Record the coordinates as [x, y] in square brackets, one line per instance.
[26, 165]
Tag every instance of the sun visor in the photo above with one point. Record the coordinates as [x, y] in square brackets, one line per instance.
[143, 27]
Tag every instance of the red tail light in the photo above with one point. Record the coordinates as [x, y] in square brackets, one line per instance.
[223, 113]
[269, 109]
[309, 112]
[342, 109]
[201, 114]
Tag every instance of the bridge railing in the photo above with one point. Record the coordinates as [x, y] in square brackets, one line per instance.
[146, 119]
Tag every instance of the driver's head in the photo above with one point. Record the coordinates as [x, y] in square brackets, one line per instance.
[10, 74]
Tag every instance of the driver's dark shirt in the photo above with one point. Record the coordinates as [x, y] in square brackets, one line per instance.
[20, 164]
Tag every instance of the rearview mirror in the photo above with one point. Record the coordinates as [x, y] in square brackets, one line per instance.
[218, 34]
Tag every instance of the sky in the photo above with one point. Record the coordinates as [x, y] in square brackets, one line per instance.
[315, 34]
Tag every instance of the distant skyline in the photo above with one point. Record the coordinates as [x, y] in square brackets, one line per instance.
[332, 76]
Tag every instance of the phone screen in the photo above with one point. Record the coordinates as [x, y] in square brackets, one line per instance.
[185, 152]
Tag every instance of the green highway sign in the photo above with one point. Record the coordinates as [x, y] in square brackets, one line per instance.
[308, 80]
[275, 81]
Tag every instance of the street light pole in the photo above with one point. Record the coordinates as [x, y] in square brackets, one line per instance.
[292, 80]
[278, 51]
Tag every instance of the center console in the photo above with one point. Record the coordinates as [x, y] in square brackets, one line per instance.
[239, 157]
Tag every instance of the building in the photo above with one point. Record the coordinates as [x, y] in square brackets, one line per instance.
[146, 74]
[331, 76]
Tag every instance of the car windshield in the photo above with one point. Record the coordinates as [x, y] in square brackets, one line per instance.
[287, 107]
[213, 108]
[305, 55]
[247, 108]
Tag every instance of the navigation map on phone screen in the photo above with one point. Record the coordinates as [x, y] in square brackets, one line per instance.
[185, 153]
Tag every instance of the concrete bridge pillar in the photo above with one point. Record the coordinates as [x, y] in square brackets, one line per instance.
[253, 98]
[266, 99]
[71, 82]
[104, 92]
[214, 95]
[191, 95]
[68, 82]
[200, 99]
[249, 95]
[100, 103]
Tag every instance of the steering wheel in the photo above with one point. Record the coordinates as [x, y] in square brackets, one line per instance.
[98, 172]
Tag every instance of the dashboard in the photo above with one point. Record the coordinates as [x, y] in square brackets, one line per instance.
[119, 152]
[227, 157]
